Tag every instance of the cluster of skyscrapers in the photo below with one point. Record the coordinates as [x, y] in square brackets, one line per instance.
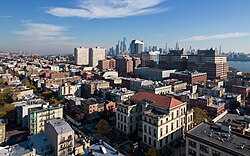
[209, 61]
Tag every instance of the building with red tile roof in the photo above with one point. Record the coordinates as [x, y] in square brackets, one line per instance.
[161, 101]
[157, 119]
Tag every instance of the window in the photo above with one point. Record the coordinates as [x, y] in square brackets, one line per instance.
[118, 116]
[191, 152]
[216, 153]
[203, 148]
[149, 120]
[131, 128]
[149, 141]
[172, 126]
[166, 141]
[155, 143]
[177, 123]
[172, 136]
[149, 130]
[166, 119]
[145, 138]
[161, 143]
[118, 125]
[161, 122]
[145, 128]
[177, 113]
[192, 143]
[161, 132]
[166, 129]
[172, 115]
[154, 132]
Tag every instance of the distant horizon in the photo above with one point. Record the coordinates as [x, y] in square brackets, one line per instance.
[72, 53]
[57, 27]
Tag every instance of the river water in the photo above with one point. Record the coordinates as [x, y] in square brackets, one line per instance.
[243, 66]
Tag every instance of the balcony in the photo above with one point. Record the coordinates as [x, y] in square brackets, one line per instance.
[67, 140]
[66, 146]
[47, 114]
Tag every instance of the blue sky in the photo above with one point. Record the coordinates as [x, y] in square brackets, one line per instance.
[56, 26]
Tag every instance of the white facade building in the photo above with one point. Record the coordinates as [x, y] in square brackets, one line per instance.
[81, 56]
[69, 91]
[96, 54]
[158, 120]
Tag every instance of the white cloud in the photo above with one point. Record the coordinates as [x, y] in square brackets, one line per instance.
[5, 16]
[43, 33]
[109, 8]
[215, 37]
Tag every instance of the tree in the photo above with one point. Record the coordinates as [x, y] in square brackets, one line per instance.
[32, 87]
[55, 101]
[7, 95]
[26, 81]
[102, 127]
[47, 95]
[199, 115]
[1, 82]
[7, 111]
[151, 152]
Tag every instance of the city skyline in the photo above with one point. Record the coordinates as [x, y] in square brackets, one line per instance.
[52, 27]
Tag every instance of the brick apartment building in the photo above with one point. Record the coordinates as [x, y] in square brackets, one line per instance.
[190, 77]
[108, 63]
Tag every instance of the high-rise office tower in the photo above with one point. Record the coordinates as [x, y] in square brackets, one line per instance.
[111, 51]
[96, 54]
[166, 48]
[154, 48]
[136, 47]
[175, 59]
[81, 56]
[177, 46]
[123, 47]
[117, 48]
[146, 48]
[209, 61]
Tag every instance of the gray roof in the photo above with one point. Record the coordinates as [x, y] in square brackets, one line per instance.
[102, 148]
[60, 125]
[40, 142]
[214, 136]
[16, 150]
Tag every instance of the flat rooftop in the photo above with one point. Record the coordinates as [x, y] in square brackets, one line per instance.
[214, 136]
[60, 125]
[39, 141]
[100, 149]
[230, 117]
[21, 149]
